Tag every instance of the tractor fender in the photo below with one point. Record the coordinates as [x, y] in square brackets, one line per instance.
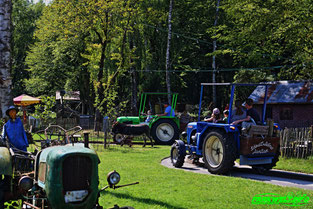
[213, 127]
[182, 147]
[5, 162]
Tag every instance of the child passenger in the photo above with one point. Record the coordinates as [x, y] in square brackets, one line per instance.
[149, 118]
[215, 117]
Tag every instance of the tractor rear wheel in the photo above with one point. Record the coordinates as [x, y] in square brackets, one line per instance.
[164, 131]
[176, 157]
[264, 168]
[219, 152]
[118, 138]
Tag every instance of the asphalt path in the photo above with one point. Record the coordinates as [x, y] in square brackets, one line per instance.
[277, 177]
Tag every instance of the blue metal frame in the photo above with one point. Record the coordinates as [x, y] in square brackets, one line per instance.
[201, 127]
[200, 103]
[264, 105]
[231, 103]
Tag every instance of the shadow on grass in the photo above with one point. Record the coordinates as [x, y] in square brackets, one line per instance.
[145, 200]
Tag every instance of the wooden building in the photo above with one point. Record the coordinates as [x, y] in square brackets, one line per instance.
[290, 103]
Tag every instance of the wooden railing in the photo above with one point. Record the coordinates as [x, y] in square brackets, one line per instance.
[296, 142]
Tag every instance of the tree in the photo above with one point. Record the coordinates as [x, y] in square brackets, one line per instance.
[24, 15]
[268, 33]
[169, 37]
[5, 54]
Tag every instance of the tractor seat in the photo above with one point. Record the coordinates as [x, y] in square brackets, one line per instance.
[258, 130]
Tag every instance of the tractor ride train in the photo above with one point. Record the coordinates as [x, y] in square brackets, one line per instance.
[64, 174]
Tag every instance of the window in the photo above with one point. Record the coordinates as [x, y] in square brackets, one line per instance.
[42, 172]
[286, 113]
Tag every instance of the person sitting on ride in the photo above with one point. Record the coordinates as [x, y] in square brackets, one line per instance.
[168, 110]
[253, 113]
[14, 131]
[226, 114]
[215, 117]
[149, 116]
[239, 114]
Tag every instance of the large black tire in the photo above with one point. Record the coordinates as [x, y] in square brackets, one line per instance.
[264, 168]
[219, 152]
[177, 157]
[164, 131]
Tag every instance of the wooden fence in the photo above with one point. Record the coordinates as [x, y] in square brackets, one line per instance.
[296, 142]
[67, 123]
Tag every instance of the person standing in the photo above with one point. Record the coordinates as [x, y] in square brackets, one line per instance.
[14, 131]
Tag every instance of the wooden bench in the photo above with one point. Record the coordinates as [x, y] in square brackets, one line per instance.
[257, 130]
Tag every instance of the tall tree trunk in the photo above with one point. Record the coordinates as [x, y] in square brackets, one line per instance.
[133, 83]
[5, 55]
[169, 37]
[213, 59]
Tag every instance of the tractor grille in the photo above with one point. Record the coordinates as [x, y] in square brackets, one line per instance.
[77, 173]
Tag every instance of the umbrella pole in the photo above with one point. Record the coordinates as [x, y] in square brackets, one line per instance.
[24, 115]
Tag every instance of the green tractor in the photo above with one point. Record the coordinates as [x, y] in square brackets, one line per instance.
[163, 129]
[57, 177]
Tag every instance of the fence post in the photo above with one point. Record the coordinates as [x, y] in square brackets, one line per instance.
[303, 143]
[105, 129]
[270, 123]
[86, 139]
[285, 142]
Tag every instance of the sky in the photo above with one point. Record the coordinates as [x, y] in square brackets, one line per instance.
[45, 1]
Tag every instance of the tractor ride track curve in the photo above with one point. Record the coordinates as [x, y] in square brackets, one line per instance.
[276, 177]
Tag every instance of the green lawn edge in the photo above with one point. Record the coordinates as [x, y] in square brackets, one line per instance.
[162, 187]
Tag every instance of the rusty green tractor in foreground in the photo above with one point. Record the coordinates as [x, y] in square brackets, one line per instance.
[57, 177]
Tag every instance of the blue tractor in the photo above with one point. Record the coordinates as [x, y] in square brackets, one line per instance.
[220, 144]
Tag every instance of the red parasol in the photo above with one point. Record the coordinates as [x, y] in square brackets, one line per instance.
[25, 100]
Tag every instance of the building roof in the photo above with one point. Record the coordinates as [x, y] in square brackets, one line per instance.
[69, 95]
[285, 92]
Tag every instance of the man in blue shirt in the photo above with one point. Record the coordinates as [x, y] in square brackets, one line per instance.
[14, 131]
[169, 111]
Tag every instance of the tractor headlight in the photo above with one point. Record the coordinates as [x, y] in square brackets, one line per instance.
[25, 183]
[113, 178]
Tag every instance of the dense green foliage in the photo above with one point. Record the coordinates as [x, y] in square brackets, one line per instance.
[119, 47]
[24, 15]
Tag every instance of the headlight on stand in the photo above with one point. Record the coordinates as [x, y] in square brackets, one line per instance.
[113, 178]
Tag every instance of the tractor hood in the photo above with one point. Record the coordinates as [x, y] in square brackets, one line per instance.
[5, 161]
[67, 173]
[129, 119]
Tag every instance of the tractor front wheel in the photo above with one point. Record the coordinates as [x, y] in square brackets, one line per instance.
[219, 152]
[177, 157]
[164, 131]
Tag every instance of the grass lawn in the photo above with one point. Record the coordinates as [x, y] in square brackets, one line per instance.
[294, 164]
[288, 164]
[162, 187]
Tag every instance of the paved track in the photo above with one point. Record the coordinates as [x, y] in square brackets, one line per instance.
[277, 177]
